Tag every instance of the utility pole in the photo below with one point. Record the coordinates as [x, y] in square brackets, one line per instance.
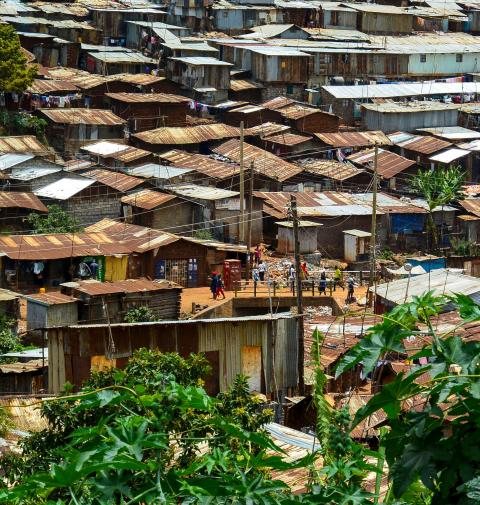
[373, 238]
[298, 282]
[249, 222]
[241, 223]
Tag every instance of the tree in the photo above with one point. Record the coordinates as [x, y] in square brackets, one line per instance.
[140, 315]
[56, 221]
[15, 74]
[9, 341]
[439, 188]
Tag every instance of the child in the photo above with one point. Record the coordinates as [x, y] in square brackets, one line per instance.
[323, 286]
[220, 287]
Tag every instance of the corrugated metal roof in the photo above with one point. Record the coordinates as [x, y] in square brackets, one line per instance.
[244, 84]
[104, 148]
[409, 107]
[358, 233]
[283, 51]
[96, 288]
[202, 60]
[471, 205]
[47, 86]
[452, 132]
[64, 188]
[406, 89]
[450, 155]
[336, 210]
[201, 163]
[201, 192]
[11, 199]
[155, 171]
[139, 79]
[266, 129]
[296, 111]
[376, 8]
[22, 144]
[265, 163]
[354, 139]
[10, 160]
[248, 109]
[25, 413]
[88, 81]
[301, 224]
[51, 298]
[288, 139]
[124, 56]
[147, 199]
[332, 169]
[388, 165]
[474, 145]
[83, 116]
[28, 174]
[201, 47]
[147, 98]
[419, 144]
[28, 367]
[278, 102]
[116, 180]
[188, 135]
[440, 281]
[268, 31]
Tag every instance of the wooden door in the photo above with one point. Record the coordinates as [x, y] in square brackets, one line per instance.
[252, 366]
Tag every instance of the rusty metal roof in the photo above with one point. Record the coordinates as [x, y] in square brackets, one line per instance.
[51, 298]
[265, 163]
[120, 152]
[266, 129]
[11, 199]
[96, 288]
[30, 366]
[46, 86]
[471, 205]
[138, 79]
[332, 169]
[188, 134]
[83, 116]
[288, 139]
[147, 98]
[201, 163]
[423, 144]
[22, 144]
[388, 165]
[354, 139]
[296, 111]
[244, 84]
[116, 180]
[89, 81]
[147, 199]
[277, 102]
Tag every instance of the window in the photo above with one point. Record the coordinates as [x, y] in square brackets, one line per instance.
[423, 58]
[459, 58]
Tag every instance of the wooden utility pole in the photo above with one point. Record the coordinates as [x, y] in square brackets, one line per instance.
[298, 282]
[249, 222]
[373, 238]
[241, 223]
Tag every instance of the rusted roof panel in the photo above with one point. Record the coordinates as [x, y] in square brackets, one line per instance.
[96, 288]
[201, 163]
[244, 84]
[332, 169]
[88, 81]
[424, 144]
[30, 366]
[388, 164]
[471, 205]
[296, 111]
[265, 163]
[139, 79]
[83, 116]
[41, 86]
[188, 135]
[147, 98]
[288, 139]
[22, 144]
[61, 73]
[277, 103]
[354, 139]
[116, 180]
[11, 199]
[52, 298]
[147, 199]
[266, 129]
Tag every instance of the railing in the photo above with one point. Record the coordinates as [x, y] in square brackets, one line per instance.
[310, 286]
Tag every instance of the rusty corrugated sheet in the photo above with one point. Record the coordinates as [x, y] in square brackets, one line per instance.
[130, 154]
[147, 97]
[354, 139]
[266, 129]
[188, 134]
[24, 412]
[277, 103]
[116, 180]
[98, 117]
[88, 81]
[265, 163]
[11, 199]
[471, 205]
[244, 84]
[296, 111]
[22, 144]
[424, 145]
[51, 298]
[288, 139]
[332, 169]
[201, 163]
[139, 79]
[147, 199]
[96, 288]
[389, 164]
[40, 86]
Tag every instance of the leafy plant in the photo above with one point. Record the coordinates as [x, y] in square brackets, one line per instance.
[56, 221]
[462, 247]
[141, 314]
[203, 234]
[9, 341]
[439, 187]
[6, 422]
[15, 74]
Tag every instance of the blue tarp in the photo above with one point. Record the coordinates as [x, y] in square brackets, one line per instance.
[407, 223]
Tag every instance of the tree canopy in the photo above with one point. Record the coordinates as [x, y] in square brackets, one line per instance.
[15, 74]
[56, 221]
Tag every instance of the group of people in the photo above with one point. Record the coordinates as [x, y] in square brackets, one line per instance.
[217, 287]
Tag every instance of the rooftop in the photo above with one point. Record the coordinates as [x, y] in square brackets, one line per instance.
[147, 199]
[83, 116]
[169, 135]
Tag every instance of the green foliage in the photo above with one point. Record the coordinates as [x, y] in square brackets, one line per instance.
[203, 234]
[56, 221]
[9, 341]
[386, 254]
[462, 247]
[436, 444]
[15, 75]
[139, 315]
[6, 423]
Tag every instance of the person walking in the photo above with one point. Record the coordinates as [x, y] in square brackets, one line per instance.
[213, 285]
[291, 276]
[262, 267]
[305, 271]
[351, 290]
[337, 279]
[256, 276]
[258, 254]
[322, 286]
[220, 287]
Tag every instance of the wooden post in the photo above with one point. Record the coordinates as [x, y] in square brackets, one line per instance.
[300, 335]
[241, 227]
[373, 238]
[249, 224]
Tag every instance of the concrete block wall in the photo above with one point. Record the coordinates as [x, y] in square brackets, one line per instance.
[90, 210]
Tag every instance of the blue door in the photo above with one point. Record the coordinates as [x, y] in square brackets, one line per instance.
[160, 270]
